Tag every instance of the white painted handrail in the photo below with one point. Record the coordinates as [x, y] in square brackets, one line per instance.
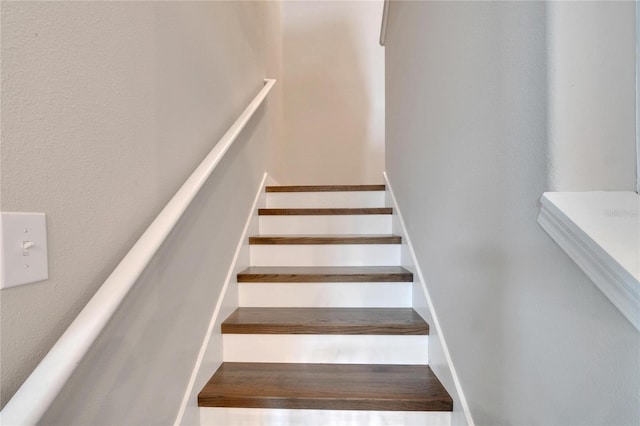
[383, 25]
[37, 393]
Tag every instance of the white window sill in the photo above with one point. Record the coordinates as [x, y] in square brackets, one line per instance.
[600, 231]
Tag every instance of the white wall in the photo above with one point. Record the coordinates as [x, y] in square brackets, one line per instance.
[107, 107]
[532, 339]
[271, 19]
[138, 370]
[592, 115]
[333, 92]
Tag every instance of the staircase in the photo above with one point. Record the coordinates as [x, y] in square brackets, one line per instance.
[325, 333]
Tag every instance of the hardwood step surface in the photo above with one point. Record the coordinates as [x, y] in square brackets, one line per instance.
[326, 239]
[387, 321]
[325, 387]
[322, 212]
[325, 188]
[327, 274]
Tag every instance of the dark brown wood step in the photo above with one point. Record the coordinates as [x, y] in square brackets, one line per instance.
[322, 212]
[317, 274]
[325, 239]
[326, 387]
[387, 321]
[325, 188]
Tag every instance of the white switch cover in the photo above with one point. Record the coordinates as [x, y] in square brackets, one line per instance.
[23, 248]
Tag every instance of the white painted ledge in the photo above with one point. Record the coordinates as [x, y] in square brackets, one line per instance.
[600, 231]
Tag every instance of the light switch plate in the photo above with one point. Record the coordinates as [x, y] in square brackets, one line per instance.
[23, 248]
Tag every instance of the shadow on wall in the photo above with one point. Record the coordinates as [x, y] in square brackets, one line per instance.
[332, 131]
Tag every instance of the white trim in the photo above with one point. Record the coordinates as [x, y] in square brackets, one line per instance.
[37, 393]
[325, 254]
[383, 24]
[434, 316]
[214, 317]
[326, 224]
[326, 295]
[296, 417]
[326, 348]
[581, 238]
[333, 199]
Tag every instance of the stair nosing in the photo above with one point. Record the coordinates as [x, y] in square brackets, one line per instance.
[322, 274]
[301, 321]
[321, 239]
[325, 386]
[324, 188]
[325, 211]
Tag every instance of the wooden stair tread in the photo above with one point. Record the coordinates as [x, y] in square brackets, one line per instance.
[309, 274]
[325, 188]
[325, 386]
[323, 211]
[388, 321]
[326, 239]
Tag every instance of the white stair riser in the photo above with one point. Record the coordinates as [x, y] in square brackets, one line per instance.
[326, 295]
[325, 199]
[325, 349]
[325, 255]
[284, 417]
[329, 224]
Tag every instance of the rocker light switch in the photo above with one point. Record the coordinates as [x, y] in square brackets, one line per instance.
[23, 248]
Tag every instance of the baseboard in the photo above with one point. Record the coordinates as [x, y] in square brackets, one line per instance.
[439, 356]
[210, 355]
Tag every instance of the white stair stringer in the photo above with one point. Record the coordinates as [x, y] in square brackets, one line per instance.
[326, 348]
[332, 199]
[325, 255]
[325, 224]
[326, 295]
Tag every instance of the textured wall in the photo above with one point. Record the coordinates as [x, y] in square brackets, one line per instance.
[333, 92]
[107, 107]
[533, 340]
